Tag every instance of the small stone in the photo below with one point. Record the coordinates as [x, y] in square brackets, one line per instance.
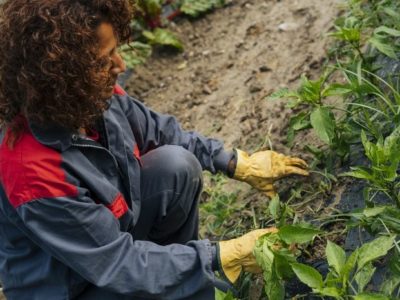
[265, 69]
[288, 26]
[255, 88]
[240, 44]
[182, 65]
[207, 90]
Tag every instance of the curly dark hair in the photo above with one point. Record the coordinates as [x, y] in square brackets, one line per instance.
[50, 70]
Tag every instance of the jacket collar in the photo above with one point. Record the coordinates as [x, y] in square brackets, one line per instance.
[53, 136]
[56, 136]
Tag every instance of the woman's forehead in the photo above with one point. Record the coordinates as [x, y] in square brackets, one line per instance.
[106, 34]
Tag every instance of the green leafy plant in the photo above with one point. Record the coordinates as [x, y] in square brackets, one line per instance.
[276, 252]
[219, 295]
[373, 23]
[384, 156]
[149, 26]
[163, 37]
[279, 211]
[349, 32]
[348, 276]
[381, 40]
[319, 116]
[196, 7]
[216, 211]
[377, 219]
[135, 53]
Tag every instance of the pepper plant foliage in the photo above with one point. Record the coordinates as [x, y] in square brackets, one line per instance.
[382, 175]
[277, 252]
[311, 96]
[348, 276]
[349, 106]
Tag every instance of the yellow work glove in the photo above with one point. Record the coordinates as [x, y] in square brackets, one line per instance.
[263, 168]
[237, 254]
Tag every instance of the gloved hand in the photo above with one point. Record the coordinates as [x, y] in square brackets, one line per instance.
[263, 168]
[237, 254]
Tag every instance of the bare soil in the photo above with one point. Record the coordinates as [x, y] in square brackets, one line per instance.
[234, 58]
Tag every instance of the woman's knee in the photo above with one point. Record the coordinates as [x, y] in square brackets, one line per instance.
[170, 159]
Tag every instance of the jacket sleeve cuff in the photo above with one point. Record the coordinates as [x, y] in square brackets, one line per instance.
[222, 161]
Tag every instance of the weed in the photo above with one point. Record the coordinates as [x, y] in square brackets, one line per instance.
[217, 210]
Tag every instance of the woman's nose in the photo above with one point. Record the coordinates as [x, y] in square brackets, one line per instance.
[119, 65]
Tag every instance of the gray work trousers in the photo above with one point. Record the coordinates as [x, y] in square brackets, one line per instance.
[171, 183]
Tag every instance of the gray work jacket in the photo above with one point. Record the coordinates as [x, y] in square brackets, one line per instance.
[64, 223]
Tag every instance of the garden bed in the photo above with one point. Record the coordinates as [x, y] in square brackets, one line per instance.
[235, 60]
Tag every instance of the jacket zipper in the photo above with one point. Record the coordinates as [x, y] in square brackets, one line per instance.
[75, 138]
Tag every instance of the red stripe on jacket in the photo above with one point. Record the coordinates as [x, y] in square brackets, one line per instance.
[118, 90]
[118, 207]
[30, 171]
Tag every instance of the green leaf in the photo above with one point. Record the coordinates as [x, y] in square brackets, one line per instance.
[163, 37]
[310, 90]
[330, 292]
[151, 7]
[308, 275]
[374, 211]
[390, 284]
[387, 30]
[274, 287]
[196, 7]
[364, 276]
[296, 234]
[383, 46]
[370, 148]
[220, 295]
[300, 121]
[391, 12]
[337, 90]
[336, 256]
[323, 122]
[283, 259]
[371, 296]
[360, 173]
[392, 145]
[275, 207]
[135, 53]
[282, 93]
[349, 266]
[375, 249]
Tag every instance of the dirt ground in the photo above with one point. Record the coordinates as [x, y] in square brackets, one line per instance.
[233, 58]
